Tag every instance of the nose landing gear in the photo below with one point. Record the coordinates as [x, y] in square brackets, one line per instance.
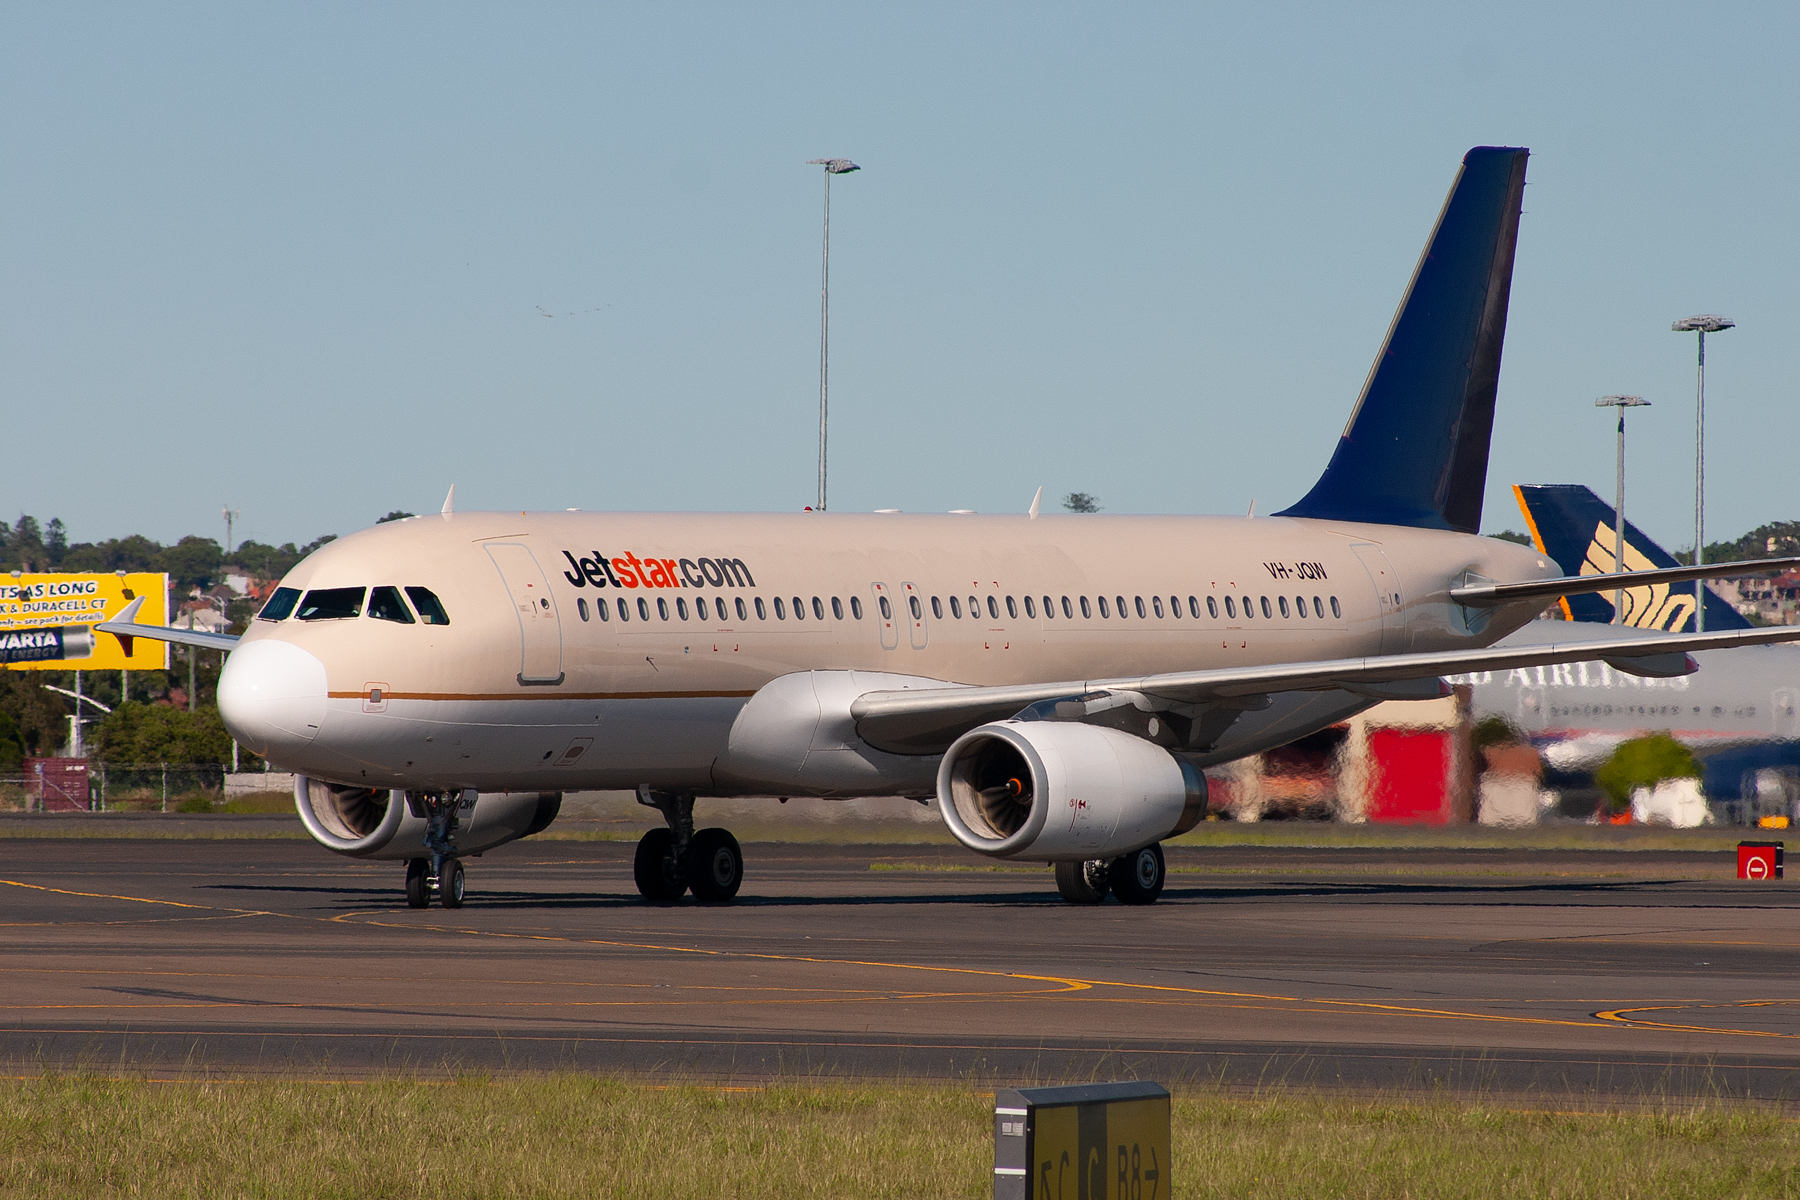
[442, 873]
[678, 859]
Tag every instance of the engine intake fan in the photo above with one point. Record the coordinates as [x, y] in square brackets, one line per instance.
[381, 823]
[1055, 791]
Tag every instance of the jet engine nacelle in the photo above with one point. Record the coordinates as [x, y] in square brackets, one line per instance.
[383, 823]
[1054, 791]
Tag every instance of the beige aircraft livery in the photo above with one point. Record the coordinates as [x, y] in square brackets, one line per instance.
[1055, 683]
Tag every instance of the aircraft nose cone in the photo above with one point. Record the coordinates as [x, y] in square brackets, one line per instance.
[272, 697]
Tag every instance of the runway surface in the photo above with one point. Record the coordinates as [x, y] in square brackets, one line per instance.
[1548, 973]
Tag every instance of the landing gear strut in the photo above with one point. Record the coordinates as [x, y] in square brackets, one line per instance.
[441, 874]
[1135, 878]
[672, 861]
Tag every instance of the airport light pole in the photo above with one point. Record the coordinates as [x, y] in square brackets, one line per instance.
[1621, 403]
[833, 166]
[1704, 324]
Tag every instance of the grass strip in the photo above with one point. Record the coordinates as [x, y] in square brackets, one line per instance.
[568, 1135]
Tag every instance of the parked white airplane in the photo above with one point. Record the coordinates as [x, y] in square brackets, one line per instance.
[1057, 682]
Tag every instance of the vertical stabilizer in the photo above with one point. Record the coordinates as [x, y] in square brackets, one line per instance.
[1416, 448]
[1576, 528]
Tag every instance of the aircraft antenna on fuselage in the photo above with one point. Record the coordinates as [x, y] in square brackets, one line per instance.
[1035, 501]
[449, 502]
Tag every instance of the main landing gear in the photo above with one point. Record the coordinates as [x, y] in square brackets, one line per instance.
[1135, 878]
[680, 858]
[441, 874]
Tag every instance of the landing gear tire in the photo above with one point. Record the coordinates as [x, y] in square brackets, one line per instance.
[1137, 878]
[450, 884]
[715, 865]
[658, 874]
[1083, 882]
[418, 883]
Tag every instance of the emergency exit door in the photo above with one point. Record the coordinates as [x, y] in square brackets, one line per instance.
[540, 628]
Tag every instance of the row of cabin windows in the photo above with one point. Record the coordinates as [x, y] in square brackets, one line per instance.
[342, 604]
[717, 609]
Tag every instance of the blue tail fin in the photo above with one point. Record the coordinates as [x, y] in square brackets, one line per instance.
[1576, 528]
[1416, 449]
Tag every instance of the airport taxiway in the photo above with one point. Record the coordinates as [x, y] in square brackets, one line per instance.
[1552, 973]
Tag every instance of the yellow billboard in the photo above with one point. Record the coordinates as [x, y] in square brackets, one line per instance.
[47, 622]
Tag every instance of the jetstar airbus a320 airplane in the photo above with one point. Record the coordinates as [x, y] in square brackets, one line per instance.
[1056, 682]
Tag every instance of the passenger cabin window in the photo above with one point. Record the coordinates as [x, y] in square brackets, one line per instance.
[1212, 607]
[1069, 612]
[1282, 600]
[331, 604]
[743, 614]
[280, 606]
[1139, 603]
[624, 610]
[818, 609]
[956, 608]
[1175, 607]
[1049, 608]
[385, 604]
[430, 609]
[581, 606]
[603, 610]
[1104, 611]
[887, 610]
[855, 607]
[681, 608]
[1086, 612]
[1156, 603]
[918, 613]
[974, 609]
[762, 614]
[1121, 602]
[837, 609]
[1012, 610]
[1230, 608]
[937, 608]
[1249, 611]
[1030, 608]
[799, 609]
[993, 609]
[1337, 614]
[644, 610]
[1318, 608]
[1265, 607]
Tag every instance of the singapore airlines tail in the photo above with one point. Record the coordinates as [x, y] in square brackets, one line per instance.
[1416, 448]
[1578, 529]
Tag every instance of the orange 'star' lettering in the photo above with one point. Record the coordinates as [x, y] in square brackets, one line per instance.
[674, 575]
[627, 576]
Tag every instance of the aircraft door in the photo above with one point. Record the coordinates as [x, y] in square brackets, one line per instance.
[1388, 594]
[887, 617]
[1784, 703]
[540, 627]
[915, 615]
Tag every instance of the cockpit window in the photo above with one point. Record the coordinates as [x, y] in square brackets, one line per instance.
[385, 604]
[280, 606]
[431, 611]
[331, 604]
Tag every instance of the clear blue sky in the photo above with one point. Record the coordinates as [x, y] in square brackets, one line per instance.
[295, 257]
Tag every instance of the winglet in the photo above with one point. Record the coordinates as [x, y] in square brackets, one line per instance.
[449, 502]
[1035, 501]
[127, 617]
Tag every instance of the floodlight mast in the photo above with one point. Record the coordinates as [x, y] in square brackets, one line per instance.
[1703, 324]
[1621, 403]
[833, 166]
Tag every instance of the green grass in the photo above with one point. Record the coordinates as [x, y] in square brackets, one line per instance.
[579, 1136]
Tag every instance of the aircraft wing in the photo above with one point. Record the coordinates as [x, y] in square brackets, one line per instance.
[125, 627]
[1488, 594]
[926, 721]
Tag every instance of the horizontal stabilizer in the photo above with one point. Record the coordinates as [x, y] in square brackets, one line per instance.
[1489, 594]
